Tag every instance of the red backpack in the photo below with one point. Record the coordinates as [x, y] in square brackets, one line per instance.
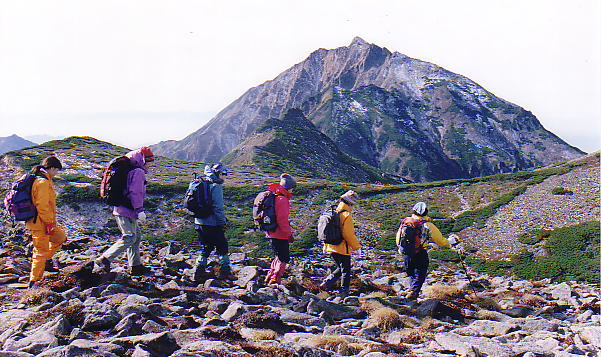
[113, 187]
[410, 240]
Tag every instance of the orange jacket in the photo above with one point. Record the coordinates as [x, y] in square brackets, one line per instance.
[347, 228]
[44, 199]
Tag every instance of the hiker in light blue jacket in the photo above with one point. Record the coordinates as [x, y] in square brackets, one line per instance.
[211, 228]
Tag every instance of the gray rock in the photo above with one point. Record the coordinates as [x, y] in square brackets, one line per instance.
[299, 318]
[8, 278]
[100, 320]
[234, 310]
[334, 311]
[33, 343]
[138, 309]
[218, 306]
[517, 311]
[562, 292]
[153, 327]
[126, 325]
[492, 328]
[160, 344]
[78, 334]
[15, 354]
[591, 335]
[533, 324]
[80, 348]
[463, 345]
[214, 347]
[246, 275]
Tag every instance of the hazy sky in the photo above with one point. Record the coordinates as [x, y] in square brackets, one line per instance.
[135, 72]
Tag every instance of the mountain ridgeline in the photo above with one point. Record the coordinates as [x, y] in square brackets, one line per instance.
[397, 114]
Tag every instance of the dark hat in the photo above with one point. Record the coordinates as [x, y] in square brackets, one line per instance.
[287, 181]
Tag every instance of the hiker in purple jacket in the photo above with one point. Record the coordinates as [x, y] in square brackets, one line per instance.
[127, 218]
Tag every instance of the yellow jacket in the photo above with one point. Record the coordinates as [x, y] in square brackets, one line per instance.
[429, 232]
[44, 199]
[347, 228]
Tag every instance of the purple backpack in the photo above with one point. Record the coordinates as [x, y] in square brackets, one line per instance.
[18, 201]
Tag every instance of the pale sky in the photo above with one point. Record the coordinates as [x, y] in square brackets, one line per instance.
[138, 72]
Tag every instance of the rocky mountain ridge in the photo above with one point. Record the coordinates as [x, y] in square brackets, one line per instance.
[13, 142]
[399, 114]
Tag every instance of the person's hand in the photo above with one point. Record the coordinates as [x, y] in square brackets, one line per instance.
[453, 239]
[141, 216]
[50, 228]
[291, 239]
[460, 250]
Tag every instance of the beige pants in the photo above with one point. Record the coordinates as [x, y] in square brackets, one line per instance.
[129, 241]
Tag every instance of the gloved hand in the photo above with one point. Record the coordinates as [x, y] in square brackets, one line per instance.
[453, 239]
[141, 216]
[50, 228]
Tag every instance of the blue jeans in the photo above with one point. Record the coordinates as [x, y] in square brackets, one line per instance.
[417, 269]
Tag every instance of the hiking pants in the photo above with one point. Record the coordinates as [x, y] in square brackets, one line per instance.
[343, 270]
[44, 247]
[417, 269]
[129, 241]
[212, 238]
[281, 248]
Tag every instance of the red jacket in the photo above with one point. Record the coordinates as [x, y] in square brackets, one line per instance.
[282, 212]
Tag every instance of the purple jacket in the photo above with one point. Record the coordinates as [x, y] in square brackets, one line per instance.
[136, 186]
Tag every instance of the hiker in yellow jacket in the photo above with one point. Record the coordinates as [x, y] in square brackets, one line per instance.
[47, 237]
[341, 253]
[418, 229]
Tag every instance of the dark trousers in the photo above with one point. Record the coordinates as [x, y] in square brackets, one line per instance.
[281, 248]
[210, 238]
[417, 269]
[343, 269]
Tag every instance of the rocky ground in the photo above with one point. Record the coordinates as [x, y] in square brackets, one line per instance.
[81, 313]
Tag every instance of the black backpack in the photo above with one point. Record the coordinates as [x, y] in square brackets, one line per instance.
[18, 200]
[113, 187]
[328, 227]
[264, 216]
[198, 200]
[409, 239]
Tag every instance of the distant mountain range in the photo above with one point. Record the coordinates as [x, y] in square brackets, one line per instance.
[13, 142]
[397, 114]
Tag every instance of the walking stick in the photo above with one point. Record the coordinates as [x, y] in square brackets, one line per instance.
[469, 277]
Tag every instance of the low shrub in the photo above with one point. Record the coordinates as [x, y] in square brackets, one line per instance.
[386, 318]
[441, 291]
[445, 254]
[561, 191]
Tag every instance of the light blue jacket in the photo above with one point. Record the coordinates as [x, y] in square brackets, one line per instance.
[217, 218]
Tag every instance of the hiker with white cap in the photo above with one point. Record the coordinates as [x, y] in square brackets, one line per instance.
[348, 242]
[413, 232]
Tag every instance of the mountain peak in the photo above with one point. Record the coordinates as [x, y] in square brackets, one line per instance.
[358, 41]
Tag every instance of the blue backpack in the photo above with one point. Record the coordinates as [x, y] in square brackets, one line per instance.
[198, 200]
[18, 200]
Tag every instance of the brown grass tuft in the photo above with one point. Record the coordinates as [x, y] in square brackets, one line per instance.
[533, 300]
[488, 315]
[58, 282]
[258, 334]
[73, 313]
[416, 336]
[441, 291]
[334, 343]
[486, 302]
[391, 349]
[386, 318]
[376, 294]
[37, 296]
[371, 305]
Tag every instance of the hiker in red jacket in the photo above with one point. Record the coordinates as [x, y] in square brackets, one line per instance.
[281, 237]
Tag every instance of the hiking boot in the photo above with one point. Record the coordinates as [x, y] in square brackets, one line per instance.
[51, 267]
[343, 293]
[31, 284]
[199, 273]
[225, 272]
[103, 264]
[138, 270]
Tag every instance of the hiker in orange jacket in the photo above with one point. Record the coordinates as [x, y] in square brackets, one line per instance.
[46, 235]
[281, 237]
[341, 253]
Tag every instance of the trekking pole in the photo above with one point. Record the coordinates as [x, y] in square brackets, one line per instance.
[469, 277]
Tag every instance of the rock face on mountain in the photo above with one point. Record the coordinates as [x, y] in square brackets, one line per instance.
[13, 142]
[403, 115]
[293, 144]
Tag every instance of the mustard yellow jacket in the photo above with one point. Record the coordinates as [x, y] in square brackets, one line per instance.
[347, 228]
[44, 199]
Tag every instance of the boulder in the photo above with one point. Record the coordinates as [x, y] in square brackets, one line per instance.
[561, 292]
[334, 311]
[34, 343]
[159, 344]
[246, 275]
[492, 328]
